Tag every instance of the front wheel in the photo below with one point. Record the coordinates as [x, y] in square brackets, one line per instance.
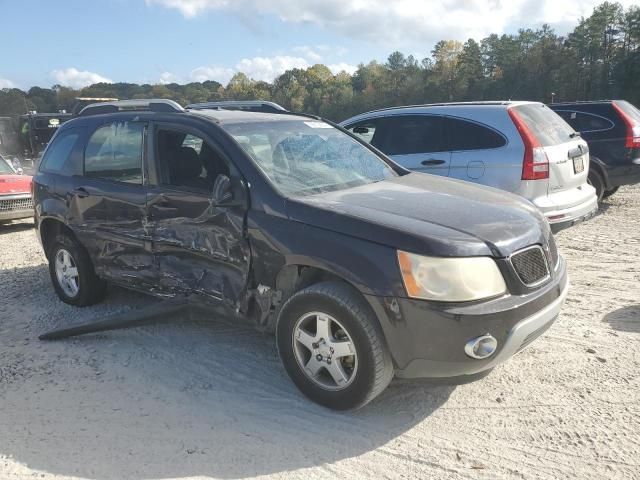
[332, 346]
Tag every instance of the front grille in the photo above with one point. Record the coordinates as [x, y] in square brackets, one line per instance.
[16, 204]
[531, 265]
[553, 252]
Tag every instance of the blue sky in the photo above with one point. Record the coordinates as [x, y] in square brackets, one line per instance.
[75, 42]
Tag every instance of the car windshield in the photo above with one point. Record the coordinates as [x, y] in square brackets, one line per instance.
[304, 157]
[5, 168]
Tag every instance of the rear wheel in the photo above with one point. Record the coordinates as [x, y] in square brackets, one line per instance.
[596, 181]
[332, 346]
[610, 192]
[72, 274]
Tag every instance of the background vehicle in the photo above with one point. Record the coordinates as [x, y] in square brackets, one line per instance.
[284, 220]
[612, 130]
[520, 147]
[15, 194]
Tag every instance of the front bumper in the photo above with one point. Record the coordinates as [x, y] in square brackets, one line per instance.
[16, 207]
[427, 340]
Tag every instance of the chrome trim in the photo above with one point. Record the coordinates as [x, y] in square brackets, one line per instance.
[16, 196]
[470, 346]
[546, 264]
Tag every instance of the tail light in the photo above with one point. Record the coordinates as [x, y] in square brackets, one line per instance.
[632, 139]
[535, 165]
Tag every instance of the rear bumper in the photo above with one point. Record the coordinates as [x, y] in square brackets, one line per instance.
[562, 210]
[427, 340]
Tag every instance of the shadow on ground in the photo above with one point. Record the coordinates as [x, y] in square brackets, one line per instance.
[188, 398]
[17, 226]
[625, 319]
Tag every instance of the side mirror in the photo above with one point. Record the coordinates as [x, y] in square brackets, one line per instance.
[222, 191]
[19, 171]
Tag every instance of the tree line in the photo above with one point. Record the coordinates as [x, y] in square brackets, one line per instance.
[599, 59]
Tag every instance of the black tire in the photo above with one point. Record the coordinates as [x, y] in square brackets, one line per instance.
[374, 365]
[610, 192]
[91, 289]
[596, 181]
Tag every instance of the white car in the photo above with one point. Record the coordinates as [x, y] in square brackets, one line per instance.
[522, 147]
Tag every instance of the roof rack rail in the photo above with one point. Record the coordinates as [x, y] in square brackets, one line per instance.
[247, 105]
[151, 104]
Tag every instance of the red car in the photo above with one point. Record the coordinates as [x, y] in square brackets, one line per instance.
[15, 194]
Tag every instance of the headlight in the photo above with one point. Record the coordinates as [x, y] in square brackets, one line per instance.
[450, 279]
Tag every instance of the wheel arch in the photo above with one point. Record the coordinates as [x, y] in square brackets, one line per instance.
[296, 276]
[601, 169]
[48, 229]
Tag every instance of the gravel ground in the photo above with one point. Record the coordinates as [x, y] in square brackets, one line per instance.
[201, 399]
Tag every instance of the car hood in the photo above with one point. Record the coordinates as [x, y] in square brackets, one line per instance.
[427, 214]
[14, 184]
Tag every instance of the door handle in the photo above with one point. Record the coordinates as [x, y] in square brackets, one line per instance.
[80, 192]
[432, 161]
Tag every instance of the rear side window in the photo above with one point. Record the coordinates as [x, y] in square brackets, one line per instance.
[409, 134]
[465, 135]
[585, 122]
[59, 156]
[548, 128]
[114, 152]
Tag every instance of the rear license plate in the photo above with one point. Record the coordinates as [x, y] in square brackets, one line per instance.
[578, 165]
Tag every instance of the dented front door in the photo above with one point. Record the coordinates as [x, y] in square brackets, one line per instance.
[200, 247]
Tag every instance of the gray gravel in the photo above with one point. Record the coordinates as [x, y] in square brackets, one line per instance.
[203, 399]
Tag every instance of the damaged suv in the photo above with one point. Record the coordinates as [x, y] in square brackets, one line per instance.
[362, 269]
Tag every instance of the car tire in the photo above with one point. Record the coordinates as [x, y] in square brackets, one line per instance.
[352, 327]
[610, 192]
[72, 273]
[596, 181]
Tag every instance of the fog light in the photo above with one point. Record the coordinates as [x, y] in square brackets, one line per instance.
[481, 347]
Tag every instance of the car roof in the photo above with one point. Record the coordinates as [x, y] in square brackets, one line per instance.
[486, 103]
[583, 102]
[228, 117]
[490, 104]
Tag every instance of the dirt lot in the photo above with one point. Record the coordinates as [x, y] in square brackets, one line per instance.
[204, 399]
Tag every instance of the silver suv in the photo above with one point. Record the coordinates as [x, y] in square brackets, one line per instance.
[521, 147]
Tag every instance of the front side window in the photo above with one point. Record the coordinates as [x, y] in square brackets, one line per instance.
[58, 157]
[304, 157]
[364, 130]
[410, 134]
[114, 152]
[187, 161]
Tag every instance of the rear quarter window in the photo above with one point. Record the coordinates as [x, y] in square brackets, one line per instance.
[546, 125]
[61, 156]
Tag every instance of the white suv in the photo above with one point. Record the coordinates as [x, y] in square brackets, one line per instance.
[521, 147]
